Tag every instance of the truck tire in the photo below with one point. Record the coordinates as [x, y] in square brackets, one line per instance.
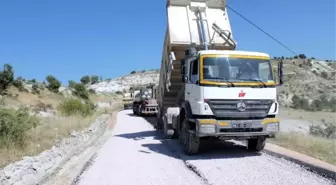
[134, 110]
[159, 121]
[158, 124]
[190, 141]
[139, 110]
[256, 144]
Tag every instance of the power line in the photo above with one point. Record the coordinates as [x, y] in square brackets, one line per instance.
[262, 30]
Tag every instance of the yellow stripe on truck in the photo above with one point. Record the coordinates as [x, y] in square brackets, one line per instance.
[270, 120]
[250, 57]
[223, 123]
[207, 121]
[236, 83]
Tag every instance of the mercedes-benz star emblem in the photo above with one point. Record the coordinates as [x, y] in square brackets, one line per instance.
[241, 106]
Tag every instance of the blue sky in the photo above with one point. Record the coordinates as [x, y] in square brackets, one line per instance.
[70, 39]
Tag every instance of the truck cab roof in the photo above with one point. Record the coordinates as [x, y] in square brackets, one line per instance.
[233, 52]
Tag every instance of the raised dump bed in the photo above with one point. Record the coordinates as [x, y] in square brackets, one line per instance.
[184, 31]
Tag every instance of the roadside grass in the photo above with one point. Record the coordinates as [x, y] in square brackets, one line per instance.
[107, 97]
[74, 106]
[314, 146]
[42, 135]
[24, 98]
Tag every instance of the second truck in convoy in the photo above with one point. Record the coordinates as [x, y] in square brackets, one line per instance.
[144, 102]
[207, 88]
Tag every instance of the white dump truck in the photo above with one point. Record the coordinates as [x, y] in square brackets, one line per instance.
[144, 102]
[207, 88]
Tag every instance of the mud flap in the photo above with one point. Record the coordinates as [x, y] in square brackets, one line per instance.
[167, 129]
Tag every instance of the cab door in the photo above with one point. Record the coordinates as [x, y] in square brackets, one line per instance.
[192, 88]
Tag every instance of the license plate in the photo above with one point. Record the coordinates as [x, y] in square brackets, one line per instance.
[241, 125]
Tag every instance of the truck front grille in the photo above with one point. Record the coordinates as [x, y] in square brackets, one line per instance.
[240, 109]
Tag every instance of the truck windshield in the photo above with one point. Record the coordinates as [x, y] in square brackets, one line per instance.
[237, 69]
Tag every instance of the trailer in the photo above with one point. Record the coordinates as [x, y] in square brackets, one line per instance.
[207, 88]
[144, 102]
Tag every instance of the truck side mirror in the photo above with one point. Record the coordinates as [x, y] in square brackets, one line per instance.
[183, 71]
[280, 72]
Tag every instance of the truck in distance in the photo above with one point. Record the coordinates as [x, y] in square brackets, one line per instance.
[127, 100]
[144, 103]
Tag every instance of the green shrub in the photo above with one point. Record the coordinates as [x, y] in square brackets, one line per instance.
[53, 83]
[35, 89]
[133, 72]
[6, 78]
[94, 79]
[324, 74]
[80, 91]
[92, 91]
[72, 83]
[85, 80]
[13, 126]
[31, 81]
[326, 130]
[76, 107]
[18, 84]
[332, 104]
[299, 103]
[316, 105]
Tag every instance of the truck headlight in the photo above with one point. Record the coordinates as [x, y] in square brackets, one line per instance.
[207, 129]
[272, 127]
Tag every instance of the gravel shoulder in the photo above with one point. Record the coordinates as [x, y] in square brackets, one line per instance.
[31, 170]
[137, 154]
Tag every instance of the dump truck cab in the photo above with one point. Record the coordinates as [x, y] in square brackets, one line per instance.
[227, 95]
[230, 93]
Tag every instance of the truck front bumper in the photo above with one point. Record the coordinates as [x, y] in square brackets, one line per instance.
[128, 105]
[150, 110]
[237, 128]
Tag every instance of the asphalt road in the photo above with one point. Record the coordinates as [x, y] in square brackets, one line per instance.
[137, 154]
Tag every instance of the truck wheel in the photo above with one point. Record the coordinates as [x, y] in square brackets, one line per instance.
[158, 124]
[134, 110]
[176, 134]
[190, 141]
[139, 110]
[256, 144]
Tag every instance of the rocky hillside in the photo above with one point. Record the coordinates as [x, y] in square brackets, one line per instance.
[306, 78]
[309, 79]
[124, 83]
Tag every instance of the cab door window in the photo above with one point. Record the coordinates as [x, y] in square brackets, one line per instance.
[194, 71]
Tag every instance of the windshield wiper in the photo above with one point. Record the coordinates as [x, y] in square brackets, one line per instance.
[257, 80]
[222, 80]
